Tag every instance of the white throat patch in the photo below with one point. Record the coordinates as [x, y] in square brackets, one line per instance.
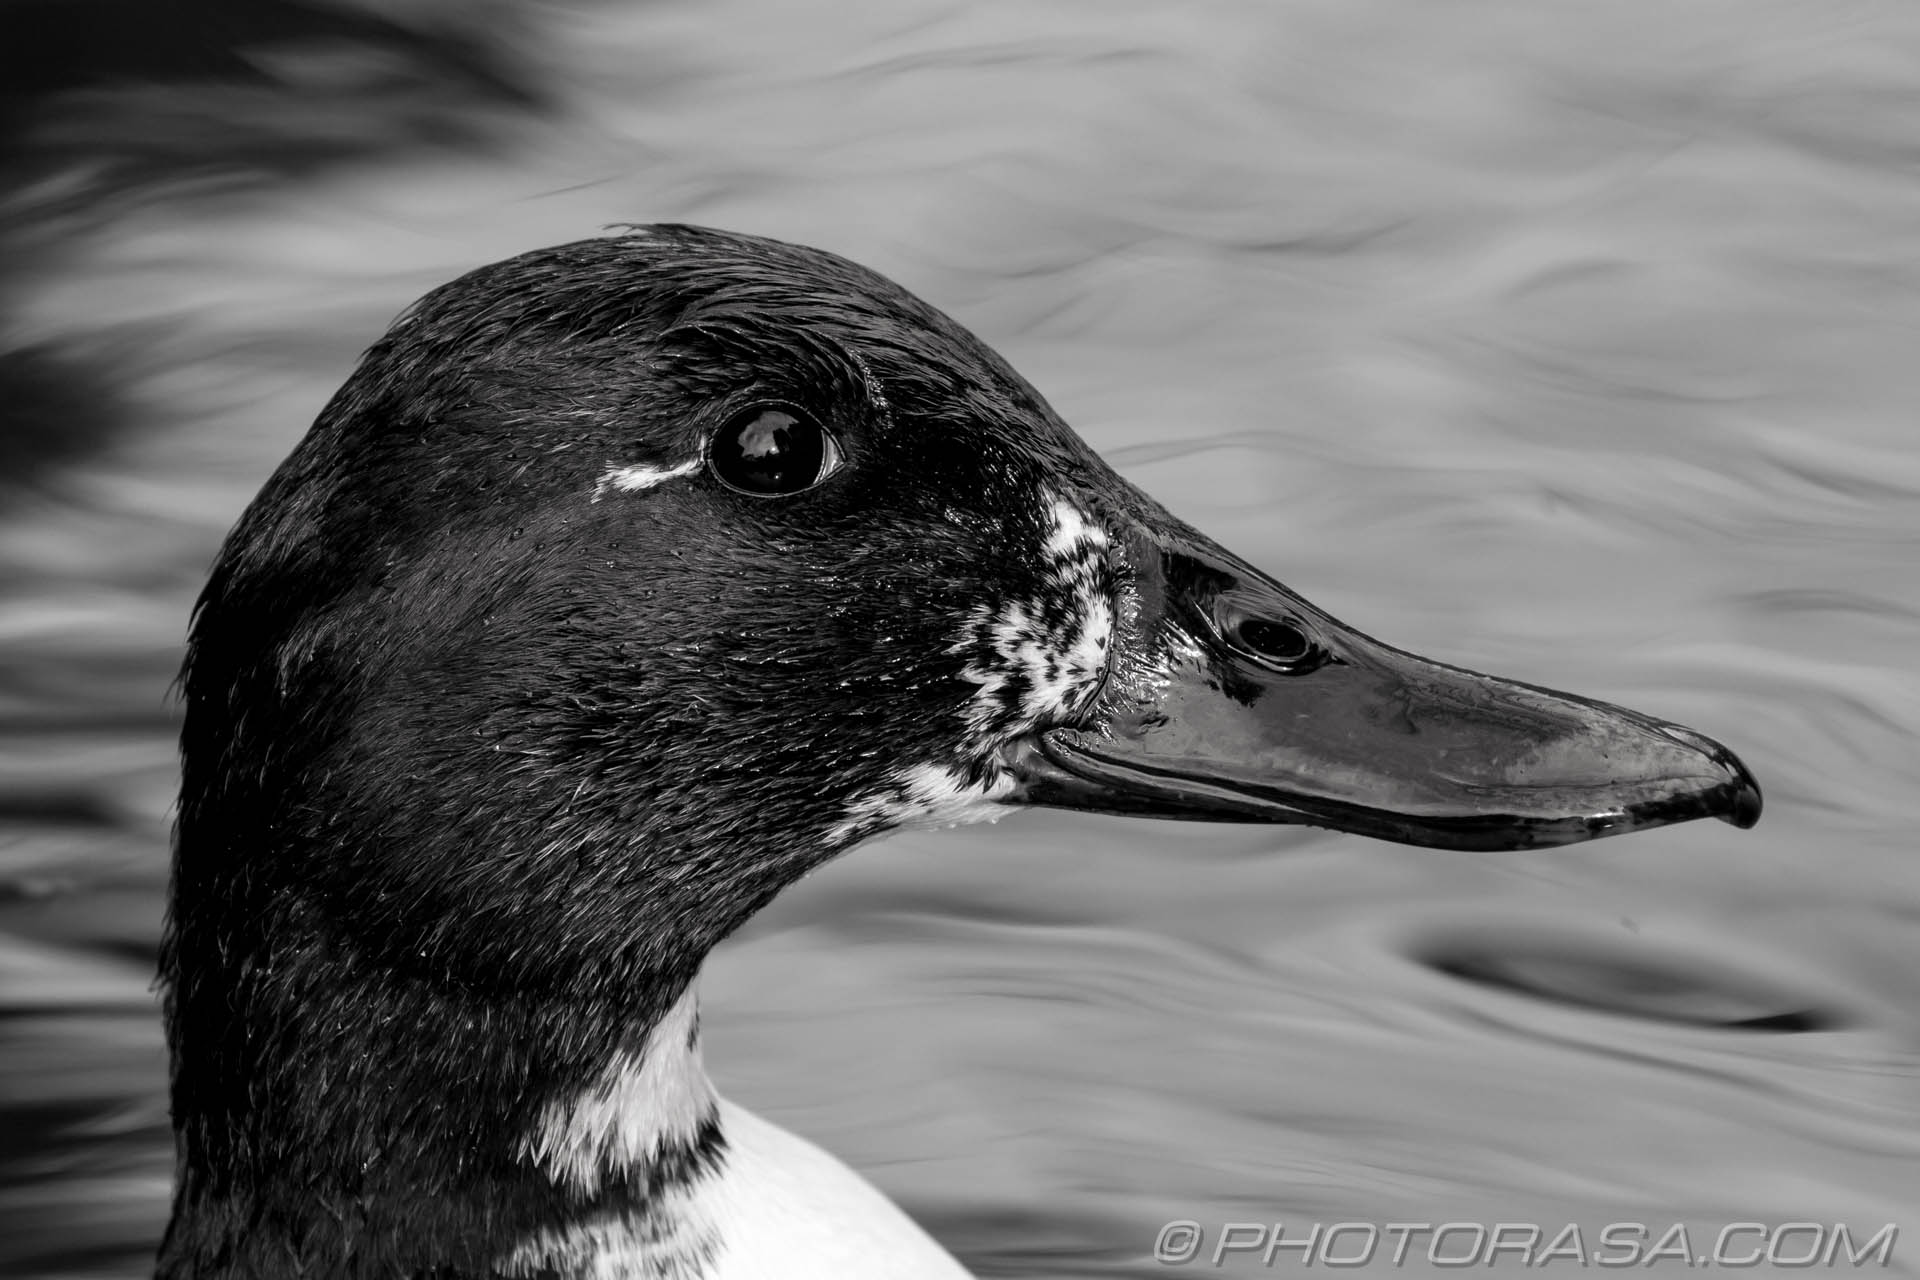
[925, 796]
[646, 1100]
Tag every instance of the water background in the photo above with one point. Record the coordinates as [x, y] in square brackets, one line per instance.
[1578, 342]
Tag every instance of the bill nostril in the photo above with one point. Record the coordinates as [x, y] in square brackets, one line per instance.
[1274, 641]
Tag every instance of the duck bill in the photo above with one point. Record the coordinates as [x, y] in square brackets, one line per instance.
[1232, 698]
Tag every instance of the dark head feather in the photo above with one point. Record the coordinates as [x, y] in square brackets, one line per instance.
[480, 761]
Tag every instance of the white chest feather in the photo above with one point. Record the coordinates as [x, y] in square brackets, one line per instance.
[779, 1208]
[782, 1207]
[771, 1207]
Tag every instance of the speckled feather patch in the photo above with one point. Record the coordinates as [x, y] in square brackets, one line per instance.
[1039, 660]
[1036, 661]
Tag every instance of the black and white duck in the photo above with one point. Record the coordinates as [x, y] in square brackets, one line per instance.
[623, 583]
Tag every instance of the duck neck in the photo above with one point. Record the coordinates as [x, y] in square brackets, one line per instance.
[338, 1122]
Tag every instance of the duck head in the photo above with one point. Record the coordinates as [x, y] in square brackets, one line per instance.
[626, 581]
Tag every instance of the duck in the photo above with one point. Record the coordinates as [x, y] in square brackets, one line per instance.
[623, 583]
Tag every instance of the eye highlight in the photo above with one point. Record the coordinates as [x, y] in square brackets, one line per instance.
[772, 452]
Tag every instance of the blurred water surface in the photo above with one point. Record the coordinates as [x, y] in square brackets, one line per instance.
[1573, 341]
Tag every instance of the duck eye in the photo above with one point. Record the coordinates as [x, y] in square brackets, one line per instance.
[772, 452]
[1279, 643]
